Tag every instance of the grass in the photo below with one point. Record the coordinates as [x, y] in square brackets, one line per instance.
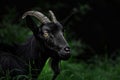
[100, 70]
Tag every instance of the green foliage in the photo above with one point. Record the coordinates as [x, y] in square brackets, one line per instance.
[77, 47]
[101, 70]
[12, 33]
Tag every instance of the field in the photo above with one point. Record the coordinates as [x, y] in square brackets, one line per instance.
[100, 70]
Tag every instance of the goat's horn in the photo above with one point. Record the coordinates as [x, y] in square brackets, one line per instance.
[53, 16]
[38, 15]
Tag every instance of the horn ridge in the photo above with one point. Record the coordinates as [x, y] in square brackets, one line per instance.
[38, 15]
[53, 16]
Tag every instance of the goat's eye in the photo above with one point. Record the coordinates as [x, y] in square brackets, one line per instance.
[46, 35]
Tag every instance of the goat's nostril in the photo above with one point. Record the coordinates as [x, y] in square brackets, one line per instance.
[67, 49]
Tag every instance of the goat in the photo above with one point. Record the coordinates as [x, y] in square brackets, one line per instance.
[46, 42]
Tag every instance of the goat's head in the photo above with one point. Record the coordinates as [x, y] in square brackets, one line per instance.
[51, 31]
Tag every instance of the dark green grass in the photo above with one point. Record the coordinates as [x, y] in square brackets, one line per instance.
[100, 70]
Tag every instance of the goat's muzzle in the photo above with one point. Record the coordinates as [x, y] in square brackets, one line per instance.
[64, 53]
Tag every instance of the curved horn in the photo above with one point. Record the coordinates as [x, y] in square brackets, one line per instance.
[38, 15]
[53, 16]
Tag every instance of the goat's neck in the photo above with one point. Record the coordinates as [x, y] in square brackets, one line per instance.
[32, 49]
[33, 52]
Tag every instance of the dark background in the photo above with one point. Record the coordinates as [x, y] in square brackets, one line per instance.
[95, 23]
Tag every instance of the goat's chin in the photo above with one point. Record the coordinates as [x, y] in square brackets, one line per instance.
[60, 55]
[64, 57]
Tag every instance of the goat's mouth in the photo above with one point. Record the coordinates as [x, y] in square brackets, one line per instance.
[64, 56]
[62, 53]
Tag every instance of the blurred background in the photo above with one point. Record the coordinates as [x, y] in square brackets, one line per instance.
[91, 28]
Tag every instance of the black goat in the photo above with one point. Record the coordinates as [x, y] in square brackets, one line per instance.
[47, 42]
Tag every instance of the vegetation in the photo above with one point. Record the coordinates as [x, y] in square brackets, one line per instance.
[97, 67]
[101, 70]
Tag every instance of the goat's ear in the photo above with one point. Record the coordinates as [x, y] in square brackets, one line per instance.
[31, 24]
